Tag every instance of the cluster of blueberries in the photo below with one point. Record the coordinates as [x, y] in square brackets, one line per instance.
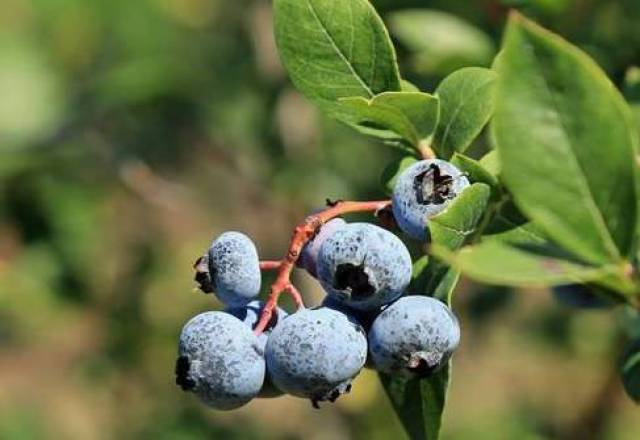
[366, 319]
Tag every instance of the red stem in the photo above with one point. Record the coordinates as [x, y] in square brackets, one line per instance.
[301, 235]
[270, 264]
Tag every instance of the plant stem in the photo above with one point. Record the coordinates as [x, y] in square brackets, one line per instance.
[270, 264]
[425, 150]
[301, 235]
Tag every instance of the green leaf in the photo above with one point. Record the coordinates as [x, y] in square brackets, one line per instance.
[454, 225]
[566, 143]
[477, 173]
[507, 216]
[525, 233]
[494, 262]
[419, 403]
[393, 170]
[440, 43]
[412, 116]
[451, 229]
[630, 370]
[491, 163]
[466, 103]
[408, 86]
[335, 49]
[444, 291]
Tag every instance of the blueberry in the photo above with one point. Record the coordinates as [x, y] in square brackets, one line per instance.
[309, 254]
[364, 266]
[413, 337]
[581, 296]
[250, 315]
[234, 269]
[315, 353]
[220, 360]
[422, 191]
[363, 317]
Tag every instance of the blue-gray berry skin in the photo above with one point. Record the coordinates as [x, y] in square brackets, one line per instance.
[364, 266]
[234, 268]
[363, 317]
[220, 360]
[250, 315]
[315, 353]
[413, 337]
[309, 254]
[422, 191]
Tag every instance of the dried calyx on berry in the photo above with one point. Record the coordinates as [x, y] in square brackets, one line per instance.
[364, 266]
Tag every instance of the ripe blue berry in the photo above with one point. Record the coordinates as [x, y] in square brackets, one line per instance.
[309, 254]
[250, 315]
[364, 266]
[315, 353]
[220, 360]
[422, 191]
[234, 269]
[363, 317]
[413, 337]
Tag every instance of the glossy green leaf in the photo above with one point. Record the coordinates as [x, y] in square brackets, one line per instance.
[505, 217]
[412, 116]
[630, 370]
[451, 229]
[444, 291]
[419, 403]
[491, 162]
[408, 86]
[454, 225]
[466, 104]
[334, 49]
[494, 262]
[440, 43]
[477, 173]
[559, 122]
[513, 233]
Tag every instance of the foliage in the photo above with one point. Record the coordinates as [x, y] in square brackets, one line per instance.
[130, 132]
[564, 137]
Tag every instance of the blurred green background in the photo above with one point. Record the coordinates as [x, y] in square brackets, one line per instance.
[133, 132]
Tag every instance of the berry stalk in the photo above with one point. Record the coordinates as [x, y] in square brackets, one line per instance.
[301, 235]
[270, 264]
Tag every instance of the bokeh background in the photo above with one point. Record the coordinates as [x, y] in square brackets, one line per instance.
[133, 132]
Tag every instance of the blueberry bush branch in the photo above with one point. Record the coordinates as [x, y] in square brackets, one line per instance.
[541, 209]
[270, 264]
[301, 236]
